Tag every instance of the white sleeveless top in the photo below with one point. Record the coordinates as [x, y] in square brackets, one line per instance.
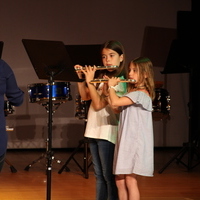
[103, 124]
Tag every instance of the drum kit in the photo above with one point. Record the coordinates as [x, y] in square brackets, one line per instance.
[81, 108]
[161, 105]
[40, 93]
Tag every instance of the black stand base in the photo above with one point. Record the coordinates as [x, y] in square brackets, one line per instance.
[192, 150]
[12, 168]
[86, 159]
[43, 156]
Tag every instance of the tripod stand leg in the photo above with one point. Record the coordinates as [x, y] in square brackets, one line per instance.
[69, 159]
[86, 159]
[12, 168]
[35, 161]
[85, 167]
[192, 151]
[172, 159]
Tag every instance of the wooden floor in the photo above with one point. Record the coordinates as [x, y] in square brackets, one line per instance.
[175, 182]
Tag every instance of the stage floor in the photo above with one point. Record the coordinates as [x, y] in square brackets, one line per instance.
[175, 182]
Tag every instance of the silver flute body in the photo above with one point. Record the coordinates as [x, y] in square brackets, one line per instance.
[100, 67]
[106, 80]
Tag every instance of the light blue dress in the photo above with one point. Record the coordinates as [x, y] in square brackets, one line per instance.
[134, 149]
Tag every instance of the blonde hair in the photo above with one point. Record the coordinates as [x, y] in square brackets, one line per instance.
[146, 75]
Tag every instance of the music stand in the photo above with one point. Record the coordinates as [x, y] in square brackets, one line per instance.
[83, 55]
[51, 62]
[180, 61]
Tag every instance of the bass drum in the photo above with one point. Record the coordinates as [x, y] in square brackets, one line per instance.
[39, 92]
[161, 104]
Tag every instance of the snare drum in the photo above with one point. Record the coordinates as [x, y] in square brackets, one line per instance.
[8, 108]
[161, 104]
[39, 92]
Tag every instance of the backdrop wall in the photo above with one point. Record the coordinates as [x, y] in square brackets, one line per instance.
[86, 22]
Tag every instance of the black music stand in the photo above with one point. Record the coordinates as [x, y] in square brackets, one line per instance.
[83, 55]
[51, 61]
[12, 168]
[180, 60]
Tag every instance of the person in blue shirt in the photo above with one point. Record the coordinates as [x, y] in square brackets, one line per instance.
[10, 90]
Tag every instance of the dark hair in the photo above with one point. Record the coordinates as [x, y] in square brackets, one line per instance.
[118, 47]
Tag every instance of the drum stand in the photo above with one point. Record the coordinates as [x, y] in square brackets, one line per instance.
[43, 156]
[49, 153]
[12, 168]
[82, 111]
[86, 158]
[192, 146]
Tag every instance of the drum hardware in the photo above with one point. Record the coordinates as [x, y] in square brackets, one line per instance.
[81, 113]
[50, 96]
[8, 108]
[106, 80]
[54, 108]
[81, 108]
[161, 104]
[43, 156]
[40, 93]
[192, 146]
[86, 165]
[12, 168]
[98, 68]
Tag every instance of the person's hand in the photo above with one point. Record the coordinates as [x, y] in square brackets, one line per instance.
[113, 81]
[89, 72]
[78, 71]
[105, 90]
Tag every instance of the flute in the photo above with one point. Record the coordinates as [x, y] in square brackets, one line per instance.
[106, 80]
[100, 67]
